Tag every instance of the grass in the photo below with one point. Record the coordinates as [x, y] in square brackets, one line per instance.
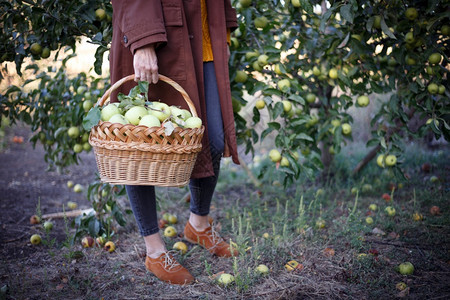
[346, 259]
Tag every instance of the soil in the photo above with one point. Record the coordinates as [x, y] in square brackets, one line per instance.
[52, 271]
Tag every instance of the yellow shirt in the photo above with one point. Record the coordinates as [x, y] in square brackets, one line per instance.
[206, 38]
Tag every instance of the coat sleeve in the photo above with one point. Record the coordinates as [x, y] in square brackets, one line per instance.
[140, 21]
[230, 16]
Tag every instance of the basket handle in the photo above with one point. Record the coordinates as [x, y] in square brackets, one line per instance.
[166, 79]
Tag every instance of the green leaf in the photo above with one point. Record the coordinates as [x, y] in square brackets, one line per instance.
[92, 118]
[386, 29]
[347, 13]
[306, 5]
[304, 136]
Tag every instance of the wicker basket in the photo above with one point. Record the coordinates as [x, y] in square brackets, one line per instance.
[139, 155]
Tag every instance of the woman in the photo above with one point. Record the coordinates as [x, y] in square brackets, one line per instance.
[185, 40]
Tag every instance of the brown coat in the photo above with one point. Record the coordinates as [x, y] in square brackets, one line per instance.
[175, 26]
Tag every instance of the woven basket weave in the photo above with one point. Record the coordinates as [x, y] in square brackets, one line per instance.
[141, 155]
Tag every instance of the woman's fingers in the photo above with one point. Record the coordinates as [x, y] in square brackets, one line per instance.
[145, 63]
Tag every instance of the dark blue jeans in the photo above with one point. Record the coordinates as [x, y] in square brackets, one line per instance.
[142, 197]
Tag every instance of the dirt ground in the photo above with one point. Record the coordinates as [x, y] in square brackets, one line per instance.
[47, 272]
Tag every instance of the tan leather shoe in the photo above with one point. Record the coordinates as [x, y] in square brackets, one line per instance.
[167, 269]
[209, 239]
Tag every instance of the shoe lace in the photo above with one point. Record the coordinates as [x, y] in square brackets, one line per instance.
[169, 261]
[215, 236]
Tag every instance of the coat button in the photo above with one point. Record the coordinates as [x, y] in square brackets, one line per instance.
[125, 39]
[191, 36]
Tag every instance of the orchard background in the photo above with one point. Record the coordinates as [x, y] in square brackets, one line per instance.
[328, 96]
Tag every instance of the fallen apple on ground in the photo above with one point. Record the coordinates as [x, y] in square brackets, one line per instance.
[110, 246]
[87, 242]
[35, 239]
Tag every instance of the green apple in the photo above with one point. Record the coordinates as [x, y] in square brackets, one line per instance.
[72, 205]
[262, 269]
[78, 188]
[260, 104]
[251, 54]
[263, 60]
[193, 122]
[261, 22]
[296, 3]
[150, 121]
[87, 105]
[70, 184]
[441, 89]
[225, 279]
[275, 155]
[346, 129]
[81, 89]
[284, 162]
[36, 49]
[316, 71]
[377, 22]
[35, 239]
[170, 231]
[363, 101]
[373, 207]
[159, 110]
[369, 220]
[245, 3]
[284, 84]
[176, 112]
[390, 160]
[409, 37]
[366, 188]
[135, 114]
[380, 161]
[333, 73]
[287, 106]
[118, 118]
[278, 70]
[48, 225]
[241, 76]
[411, 13]
[435, 58]
[187, 114]
[256, 66]
[390, 211]
[73, 132]
[108, 111]
[87, 146]
[354, 190]
[406, 268]
[85, 137]
[445, 29]
[433, 88]
[310, 98]
[335, 122]
[77, 148]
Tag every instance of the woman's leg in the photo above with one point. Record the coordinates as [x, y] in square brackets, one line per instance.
[143, 203]
[202, 189]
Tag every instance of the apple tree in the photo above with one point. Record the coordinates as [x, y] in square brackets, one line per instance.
[308, 62]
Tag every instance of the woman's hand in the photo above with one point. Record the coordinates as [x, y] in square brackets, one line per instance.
[145, 64]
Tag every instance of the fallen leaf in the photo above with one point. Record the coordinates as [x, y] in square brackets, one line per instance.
[378, 231]
[329, 252]
[214, 276]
